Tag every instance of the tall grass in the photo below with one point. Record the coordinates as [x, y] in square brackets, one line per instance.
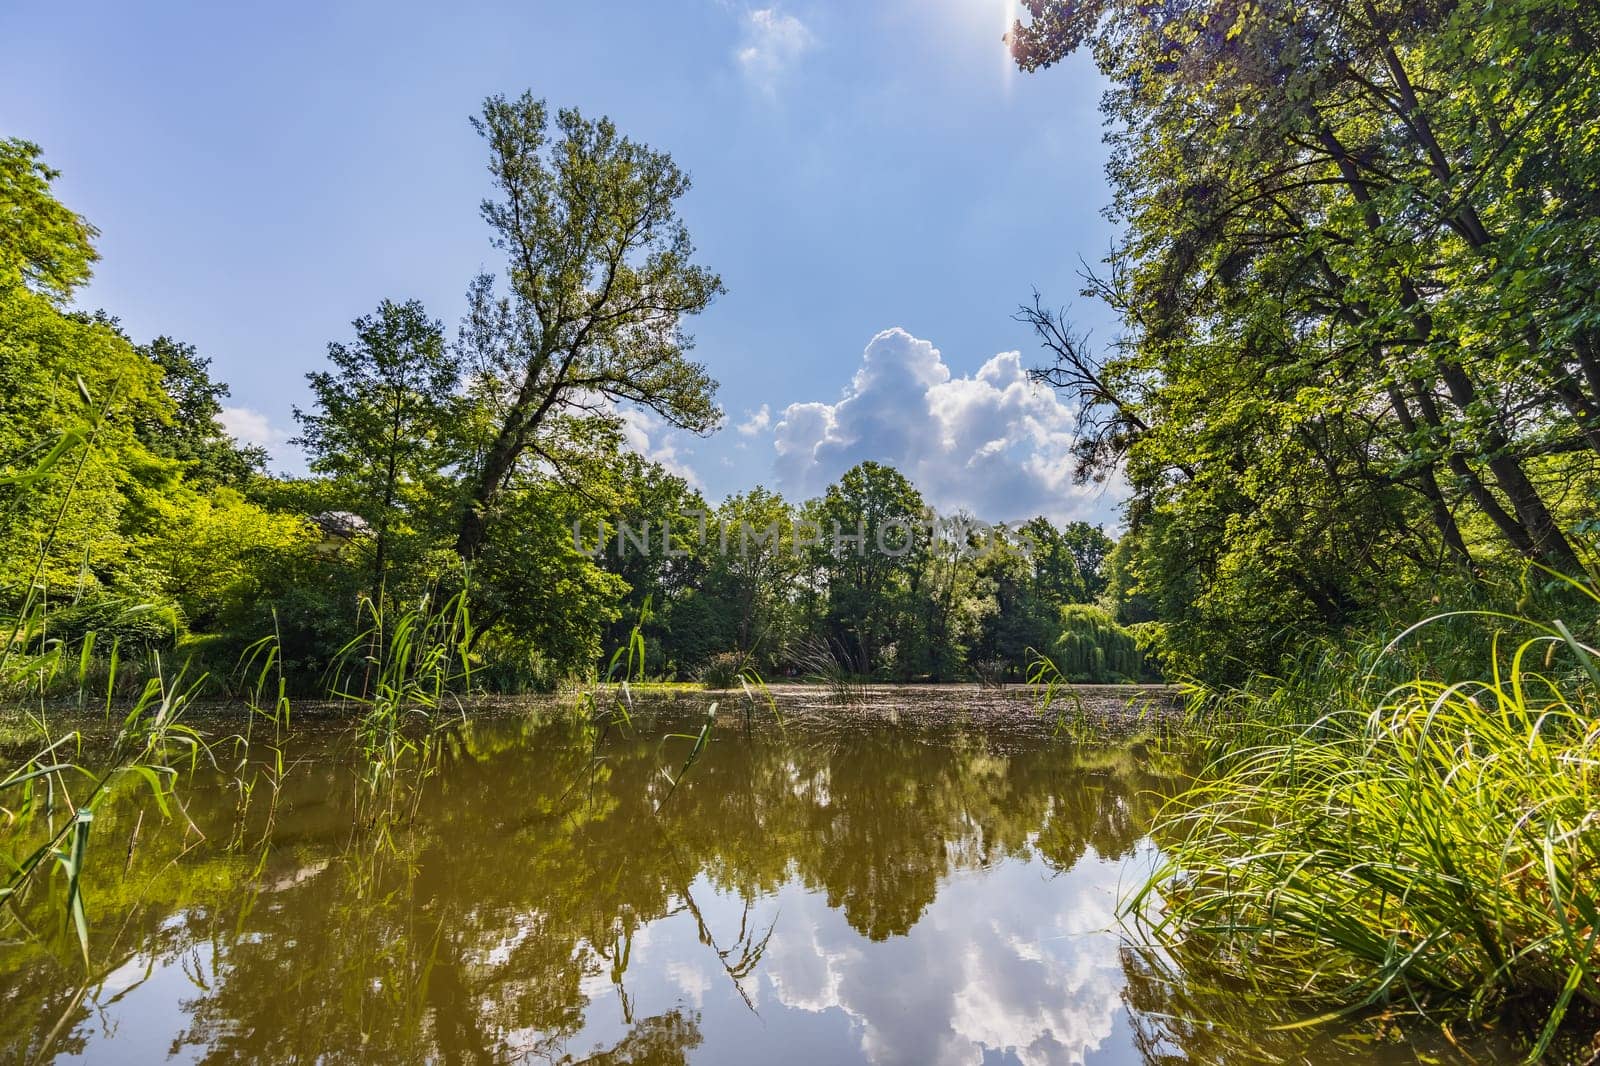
[406, 674]
[266, 698]
[1435, 845]
[831, 664]
[724, 670]
[50, 799]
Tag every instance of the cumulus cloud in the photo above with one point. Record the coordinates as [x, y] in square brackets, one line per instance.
[250, 427]
[649, 434]
[757, 423]
[993, 443]
[1037, 982]
[773, 42]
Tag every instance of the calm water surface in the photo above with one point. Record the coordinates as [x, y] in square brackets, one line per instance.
[933, 884]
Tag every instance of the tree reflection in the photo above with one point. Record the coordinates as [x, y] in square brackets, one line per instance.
[663, 1040]
[480, 933]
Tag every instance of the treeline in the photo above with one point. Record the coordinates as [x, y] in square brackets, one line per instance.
[131, 524]
[865, 580]
[1359, 376]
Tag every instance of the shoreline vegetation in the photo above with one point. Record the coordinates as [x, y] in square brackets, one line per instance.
[1363, 838]
[1356, 404]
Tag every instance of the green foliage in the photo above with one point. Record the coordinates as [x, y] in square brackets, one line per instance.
[215, 554]
[654, 541]
[44, 247]
[381, 428]
[311, 598]
[78, 523]
[119, 621]
[1361, 361]
[535, 583]
[724, 670]
[751, 577]
[949, 607]
[193, 435]
[1428, 843]
[1016, 620]
[1069, 563]
[870, 550]
[1093, 648]
[1150, 639]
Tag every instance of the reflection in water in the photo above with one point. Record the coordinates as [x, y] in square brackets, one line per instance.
[907, 893]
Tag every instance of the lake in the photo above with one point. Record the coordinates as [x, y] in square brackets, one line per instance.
[930, 877]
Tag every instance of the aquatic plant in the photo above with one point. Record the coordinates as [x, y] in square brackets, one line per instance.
[831, 664]
[723, 670]
[1435, 845]
[266, 698]
[405, 674]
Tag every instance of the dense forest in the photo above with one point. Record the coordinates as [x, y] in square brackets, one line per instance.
[492, 459]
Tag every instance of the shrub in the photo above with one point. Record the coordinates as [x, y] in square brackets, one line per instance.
[723, 670]
[128, 621]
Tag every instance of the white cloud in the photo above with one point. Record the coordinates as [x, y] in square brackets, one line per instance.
[649, 434]
[250, 427]
[772, 43]
[758, 422]
[993, 443]
[1038, 981]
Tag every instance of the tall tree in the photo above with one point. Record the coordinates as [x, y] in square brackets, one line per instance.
[45, 246]
[653, 543]
[949, 603]
[381, 417]
[754, 567]
[194, 434]
[1360, 345]
[599, 278]
[1016, 622]
[65, 378]
[1068, 562]
[873, 540]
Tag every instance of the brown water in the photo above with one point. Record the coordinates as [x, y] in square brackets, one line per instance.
[925, 883]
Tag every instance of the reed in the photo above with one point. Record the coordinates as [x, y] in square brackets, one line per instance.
[265, 690]
[831, 664]
[50, 799]
[724, 670]
[405, 674]
[1436, 845]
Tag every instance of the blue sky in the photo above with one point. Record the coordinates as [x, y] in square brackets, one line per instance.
[876, 185]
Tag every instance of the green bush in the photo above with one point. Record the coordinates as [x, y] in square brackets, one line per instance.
[723, 670]
[129, 622]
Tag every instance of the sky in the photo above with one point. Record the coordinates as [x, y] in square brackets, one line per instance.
[876, 184]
